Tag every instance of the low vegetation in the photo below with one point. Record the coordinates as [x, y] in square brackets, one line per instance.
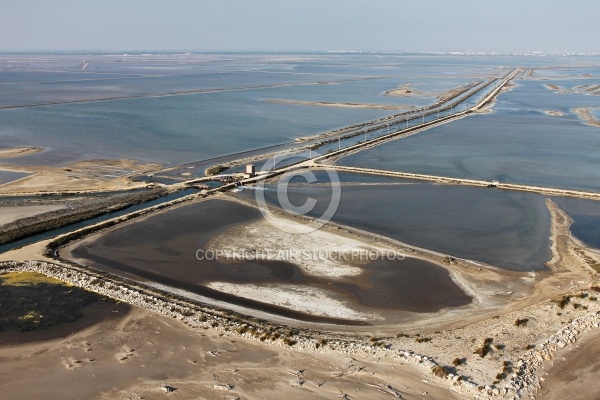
[507, 367]
[214, 170]
[459, 361]
[423, 339]
[521, 322]
[563, 301]
[30, 301]
[485, 348]
[440, 371]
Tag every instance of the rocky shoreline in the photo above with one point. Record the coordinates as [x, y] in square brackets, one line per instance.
[523, 382]
[203, 317]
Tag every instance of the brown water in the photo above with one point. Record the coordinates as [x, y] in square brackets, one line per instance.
[409, 285]
[162, 249]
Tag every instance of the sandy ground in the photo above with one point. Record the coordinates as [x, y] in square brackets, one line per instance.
[502, 298]
[404, 90]
[298, 247]
[572, 374]
[135, 356]
[578, 89]
[341, 105]
[13, 152]
[585, 114]
[132, 357]
[311, 300]
[407, 90]
[554, 113]
[94, 175]
[10, 214]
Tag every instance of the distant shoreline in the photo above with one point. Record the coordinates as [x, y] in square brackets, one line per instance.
[391, 107]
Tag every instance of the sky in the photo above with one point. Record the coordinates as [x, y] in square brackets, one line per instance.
[552, 26]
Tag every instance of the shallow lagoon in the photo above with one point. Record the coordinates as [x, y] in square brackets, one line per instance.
[162, 248]
[502, 228]
[586, 219]
[9, 176]
[517, 143]
[168, 129]
[176, 129]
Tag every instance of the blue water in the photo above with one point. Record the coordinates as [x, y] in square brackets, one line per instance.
[517, 143]
[369, 91]
[506, 229]
[535, 96]
[586, 219]
[34, 79]
[582, 71]
[182, 128]
[9, 176]
[75, 87]
[168, 129]
[91, 221]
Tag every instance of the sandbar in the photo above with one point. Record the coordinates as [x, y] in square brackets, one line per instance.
[404, 90]
[391, 107]
[14, 152]
[554, 113]
[586, 115]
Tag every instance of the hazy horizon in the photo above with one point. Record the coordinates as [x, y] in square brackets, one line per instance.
[309, 26]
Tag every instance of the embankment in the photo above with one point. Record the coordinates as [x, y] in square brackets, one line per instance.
[56, 219]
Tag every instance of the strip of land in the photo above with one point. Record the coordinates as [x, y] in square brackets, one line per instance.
[404, 90]
[82, 176]
[11, 214]
[470, 182]
[340, 105]
[524, 327]
[554, 113]
[586, 115]
[14, 152]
